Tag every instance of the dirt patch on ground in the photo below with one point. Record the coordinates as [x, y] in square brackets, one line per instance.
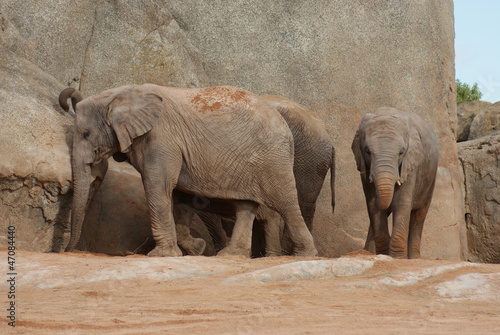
[81, 293]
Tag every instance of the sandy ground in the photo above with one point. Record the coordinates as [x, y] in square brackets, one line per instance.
[81, 293]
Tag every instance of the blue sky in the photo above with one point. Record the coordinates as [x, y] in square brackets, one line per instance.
[477, 45]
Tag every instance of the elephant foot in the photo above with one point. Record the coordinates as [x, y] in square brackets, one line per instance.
[306, 252]
[194, 246]
[162, 251]
[234, 251]
[398, 255]
[273, 254]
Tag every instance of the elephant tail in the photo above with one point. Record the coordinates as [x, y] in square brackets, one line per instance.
[67, 93]
[332, 178]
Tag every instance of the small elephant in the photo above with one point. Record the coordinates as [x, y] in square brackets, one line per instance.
[216, 142]
[397, 156]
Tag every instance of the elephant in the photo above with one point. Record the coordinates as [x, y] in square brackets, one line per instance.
[218, 142]
[189, 244]
[397, 155]
[314, 155]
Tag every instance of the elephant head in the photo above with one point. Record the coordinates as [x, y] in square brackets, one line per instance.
[105, 124]
[386, 147]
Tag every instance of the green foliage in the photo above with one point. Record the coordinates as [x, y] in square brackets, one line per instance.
[466, 92]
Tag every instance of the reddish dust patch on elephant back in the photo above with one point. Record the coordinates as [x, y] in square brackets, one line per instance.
[219, 99]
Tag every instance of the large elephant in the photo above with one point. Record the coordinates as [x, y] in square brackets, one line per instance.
[189, 244]
[397, 156]
[217, 142]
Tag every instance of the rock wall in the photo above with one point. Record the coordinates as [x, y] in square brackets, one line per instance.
[466, 112]
[479, 153]
[46, 46]
[481, 168]
[35, 172]
[96, 45]
[485, 122]
[341, 59]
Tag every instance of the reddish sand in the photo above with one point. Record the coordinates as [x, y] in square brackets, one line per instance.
[81, 293]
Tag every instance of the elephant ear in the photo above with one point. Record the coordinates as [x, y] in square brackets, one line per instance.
[358, 154]
[132, 113]
[414, 152]
[357, 144]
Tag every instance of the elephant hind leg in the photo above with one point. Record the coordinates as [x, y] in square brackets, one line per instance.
[308, 209]
[299, 233]
[241, 239]
[191, 245]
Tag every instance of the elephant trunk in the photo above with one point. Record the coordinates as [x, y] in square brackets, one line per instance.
[67, 93]
[384, 183]
[81, 190]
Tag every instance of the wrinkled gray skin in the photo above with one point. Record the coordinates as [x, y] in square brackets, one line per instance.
[314, 156]
[397, 156]
[216, 142]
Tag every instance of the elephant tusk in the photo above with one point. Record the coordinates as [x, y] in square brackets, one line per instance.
[399, 183]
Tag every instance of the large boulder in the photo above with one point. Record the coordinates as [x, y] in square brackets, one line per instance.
[97, 45]
[466, 112]
[35, 170]
[480, 160]
[93, 45]
[486, 122]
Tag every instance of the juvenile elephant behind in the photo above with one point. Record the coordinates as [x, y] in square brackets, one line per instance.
[314, 155]
[397, 156]
[217, 142]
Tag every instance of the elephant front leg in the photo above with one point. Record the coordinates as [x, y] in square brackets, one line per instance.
[417, 219]
[399, 240]
[162, 223]
[370, 240]
[377, 240]
[378, 237]
[241, 239]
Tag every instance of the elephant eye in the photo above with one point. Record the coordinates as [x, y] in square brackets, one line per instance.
[402, 151]
[86, 133]
[368, 152]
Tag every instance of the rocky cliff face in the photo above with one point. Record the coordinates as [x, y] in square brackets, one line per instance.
[481, 164]
[35, 172]
[466, 112]
[341, 59]
[486, 122]
[479, 153]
